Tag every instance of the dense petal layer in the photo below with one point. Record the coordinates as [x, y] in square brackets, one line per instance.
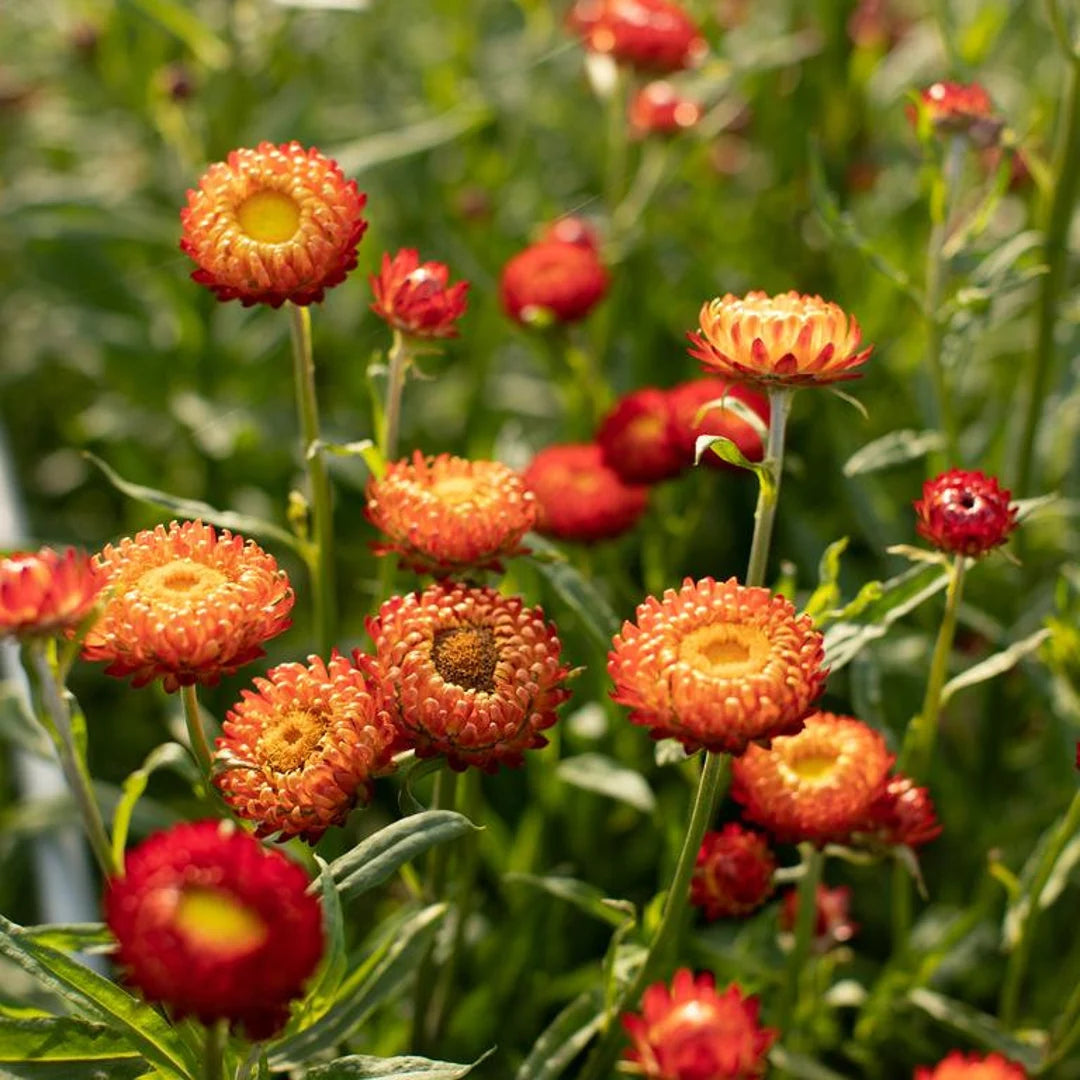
[47, 592]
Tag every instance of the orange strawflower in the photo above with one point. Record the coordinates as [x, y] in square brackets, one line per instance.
[416, 298]
[476, 675]
[447, 515]
[717, 665]
[965, 512]
[552, 281]
[958, 1066]
[273, 224]
[637, 438]
[960, 109]
[652, 35]
[47, 593]
[691, 1032]
[686, 402]
[733, 874]
[187, 605]
[659, 109]
[785, 340]
[818, 785]
[832, 916]
[300, 751]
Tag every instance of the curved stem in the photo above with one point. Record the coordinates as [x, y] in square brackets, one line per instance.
[200, 746]
[398, 364]
[322, 564]
[769, 489]
[813, 862]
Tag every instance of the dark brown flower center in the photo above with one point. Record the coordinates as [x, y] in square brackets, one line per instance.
[466, 656]
[287, 744]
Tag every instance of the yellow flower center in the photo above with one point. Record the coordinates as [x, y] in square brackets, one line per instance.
[466, 656]
[212, 919]
[181, 579]
[455, 489]
[287, 744]
[813, 766]
[270, 217]
[725, 650]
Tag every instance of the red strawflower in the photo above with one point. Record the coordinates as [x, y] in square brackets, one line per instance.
[637, 438]
[965, 513]
[733, 875]
[580, 497]
[273, 224]
[572, 230]
[691, 1032]
[659, 109]
[415, 297]
[552, 281]
[960, 109]
[47, 593]
[212, 924]
[476, 675]
[958, 1066]
[187, 605]
[832, 922]
[901, 816]
[686, 402]
[653, 35]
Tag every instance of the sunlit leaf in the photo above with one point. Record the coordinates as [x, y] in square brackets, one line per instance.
[599, 773]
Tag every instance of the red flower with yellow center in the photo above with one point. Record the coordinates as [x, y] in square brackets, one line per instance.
[446, 515]
[653, 35]
[717, 665]
[580, 497]
[733, 875]
[691, 1032]
[958, 1066]
[965, 513]
[300, 752]
[552, 281]
[187, 605]
[659, 109]
[688, 420]
[416, 298]
[817, 785]
[785, 340]
[960, 109]
[637, 438]
[212, 924]
[475, 675]
[832, 916]
[273, 224]
[901, 816]
[47, 593]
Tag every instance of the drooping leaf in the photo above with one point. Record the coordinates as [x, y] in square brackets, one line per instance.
[362, 1067]
[603, 775]
[585, 897]
[895, 448]
[728, 451]
[995, 665]
[564, 1038]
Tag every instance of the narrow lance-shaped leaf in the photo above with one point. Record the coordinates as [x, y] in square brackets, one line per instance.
[362, 1067]
[564, 1038]
[61, 1039]
[601, 774]
[585, 897]
[994, 665]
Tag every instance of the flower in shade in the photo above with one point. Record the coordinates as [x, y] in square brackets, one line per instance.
[552, 281]
[785, 340]
[717, 665]
[901, 816]
[416, 298]
[580, 497]
[273, 224]
[733, 875]
[659, 109]
[965, 513]
[817, 785]
[300, 751]
[690, 418]
[960, 109]
[571, 229]
[476, 675]
[832, 916]
[186, 605]
[958, 1066]
[214, 925]
[691, 1032]
[48, 592]
[637, 438]
[652, 35]
[445, 514]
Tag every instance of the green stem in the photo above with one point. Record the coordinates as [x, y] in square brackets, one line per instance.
[322, 562]
[214, 1051]
[769, 488]
[617, 134]
[813, 862]
[200, 746]
[397, 366]
[1066, 1031]
[1018, 958]
[901, 914]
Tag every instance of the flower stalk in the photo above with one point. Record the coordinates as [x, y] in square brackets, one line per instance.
[813, 865]
[397, 365]
[200, 746]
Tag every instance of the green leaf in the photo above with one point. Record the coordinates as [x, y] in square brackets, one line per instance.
[378, 857]
[727, 451]
[71, 937]
[167, 756]
[360, 1067]
[601, 774]
[324, 986]
[995, 665]
[895, 448]
[133, 1068]
[17, 723]
[799, 1066]
[585, 897]
[184, 24]
[827, 593]
[56, 1039]
[564, 1038]
[364, 448]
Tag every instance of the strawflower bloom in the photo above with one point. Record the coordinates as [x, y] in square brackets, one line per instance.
[817, 785]
[733, 875]
[965, 513]
[651, 35]
[552, 281]
[476, 675]
[786, 340]
[445, 515]
[691, 1032]
[901, 816]
[832, 916]
[273, 224]
[958, 1066]
[686, 402]
[187, 605]
[301, 750]
[717, 665]
[581, 497]
[659, 109]
[961, 109]
[637, 438]
[212, 924]
[48, 592]
[416, 298]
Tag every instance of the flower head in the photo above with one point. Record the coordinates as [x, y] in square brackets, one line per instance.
[637, 438]
[187, 605]
[960, 109]
[717, 665]
[817, 785]
[552, 281]
[570, 229]
[212, 924]
[580, 497]
[901, 816]
[688, 420]
[273, 224]
[733, 872]
[300, 751]
[47, 593]
[659, 109]
[652, 35]
[415, 297]
[832, 916]
[445, 515]
[785, 340]
[476, 675]
[965, 513]
[691, 1032]
[958, 1066]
